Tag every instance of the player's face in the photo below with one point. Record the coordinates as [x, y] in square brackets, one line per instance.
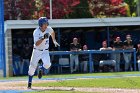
[44, 27]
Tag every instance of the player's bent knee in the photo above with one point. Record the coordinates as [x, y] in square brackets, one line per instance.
[47, 66]
[31, 70]
[33, 65]
[30, 73]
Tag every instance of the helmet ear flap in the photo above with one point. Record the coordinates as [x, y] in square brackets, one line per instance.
[48, 23]
[40, 25]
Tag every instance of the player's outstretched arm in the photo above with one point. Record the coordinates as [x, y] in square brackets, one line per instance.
[54, 40]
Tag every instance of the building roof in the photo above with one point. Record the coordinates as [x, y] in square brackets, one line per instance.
[61, 23]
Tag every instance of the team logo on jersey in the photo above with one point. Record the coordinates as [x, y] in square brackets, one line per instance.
[42, 37]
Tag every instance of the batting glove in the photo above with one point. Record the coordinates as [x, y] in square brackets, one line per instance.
[55, 43]
[46, 36]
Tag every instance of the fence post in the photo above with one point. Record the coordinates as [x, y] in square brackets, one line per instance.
[59, 37]
[2, 39]
[51, 9]
[108, 37]
[91, 64]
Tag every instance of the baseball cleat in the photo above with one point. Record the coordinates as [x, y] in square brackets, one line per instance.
[40, 73]
[29, 85]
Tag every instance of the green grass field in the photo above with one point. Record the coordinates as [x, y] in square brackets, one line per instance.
[119, 82]
[91, 74]
[73, 75]
[132, 82]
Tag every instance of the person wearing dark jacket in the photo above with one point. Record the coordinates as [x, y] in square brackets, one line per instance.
[118, 45]
[128, 45]
[75, 47]
[84, 58]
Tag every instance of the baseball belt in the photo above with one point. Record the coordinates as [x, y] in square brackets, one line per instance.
[41, 49]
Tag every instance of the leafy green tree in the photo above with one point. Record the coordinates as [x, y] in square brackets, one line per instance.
[60, 8]
[107, 8]
[33, 9]
[19, 9]
[132, 4]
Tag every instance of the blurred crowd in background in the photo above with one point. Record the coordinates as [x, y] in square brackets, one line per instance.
[88, 39]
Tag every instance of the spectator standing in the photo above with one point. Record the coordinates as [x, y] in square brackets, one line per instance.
[118, 45]
[138, 56]
[128, 45]
[26, 54]
[84, 60]
[74, 46]
[16, 60]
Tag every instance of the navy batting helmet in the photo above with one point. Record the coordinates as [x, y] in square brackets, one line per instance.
[42, 20]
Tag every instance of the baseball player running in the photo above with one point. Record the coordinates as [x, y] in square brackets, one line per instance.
[41, 46]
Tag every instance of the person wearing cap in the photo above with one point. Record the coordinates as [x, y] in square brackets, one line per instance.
[128, 45]
[117, 45]
[75, 47]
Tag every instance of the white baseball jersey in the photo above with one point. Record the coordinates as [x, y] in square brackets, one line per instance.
[38, 34]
